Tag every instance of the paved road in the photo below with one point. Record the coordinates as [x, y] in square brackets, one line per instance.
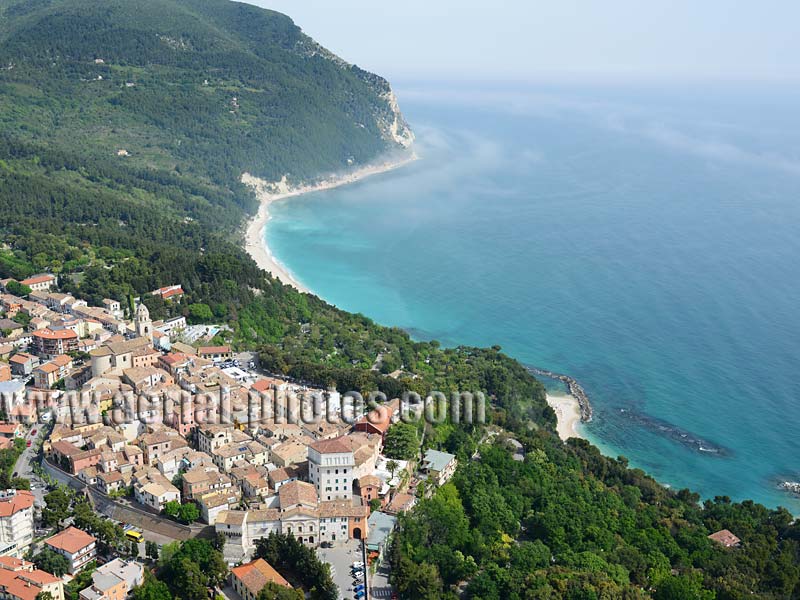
[23, 468]
[380, 586]
[341, 557]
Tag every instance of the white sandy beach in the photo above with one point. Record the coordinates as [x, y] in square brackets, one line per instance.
[269, 192]
[568, 412]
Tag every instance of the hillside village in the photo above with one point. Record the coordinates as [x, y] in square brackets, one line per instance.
[185, 432]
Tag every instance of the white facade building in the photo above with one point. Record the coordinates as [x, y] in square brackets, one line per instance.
[330, 468]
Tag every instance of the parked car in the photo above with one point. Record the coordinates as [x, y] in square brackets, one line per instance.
[359, 587]
[357, 565]
[28, 444]
[358, 595]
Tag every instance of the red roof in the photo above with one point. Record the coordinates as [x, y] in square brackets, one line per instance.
[214, 349]
[255, 575]
[62, 360]
[60, 334]
[20, 501]
[37, 279]
[380, 419]
[168, 291]
[70, 540]
[9, 427]
[20, 358]
[333, 446]
[10, 562]
[725, 537]
[174, 358]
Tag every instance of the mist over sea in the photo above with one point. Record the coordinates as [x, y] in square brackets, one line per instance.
[645, 241]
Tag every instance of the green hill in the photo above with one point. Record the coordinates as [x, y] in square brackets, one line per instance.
[199, 87]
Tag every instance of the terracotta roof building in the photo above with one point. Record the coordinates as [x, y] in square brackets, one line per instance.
[16, 521]
[77, 546]
[726, 538]
[21, 580]
[249, 579]
[51, 343]
[39, 283]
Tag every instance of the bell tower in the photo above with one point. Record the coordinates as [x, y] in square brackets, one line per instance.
[142, 322]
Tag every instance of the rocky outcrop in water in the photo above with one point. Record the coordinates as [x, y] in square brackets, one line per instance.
[575, 389]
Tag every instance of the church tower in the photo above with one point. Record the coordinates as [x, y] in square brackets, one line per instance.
[142, 322]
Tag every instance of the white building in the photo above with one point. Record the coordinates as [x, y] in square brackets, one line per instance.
[16, 522]
[76, 545]
[330, 468]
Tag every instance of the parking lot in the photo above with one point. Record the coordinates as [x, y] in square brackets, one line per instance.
[341, 557]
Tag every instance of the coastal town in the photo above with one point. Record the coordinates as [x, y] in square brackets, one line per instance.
[172, 435]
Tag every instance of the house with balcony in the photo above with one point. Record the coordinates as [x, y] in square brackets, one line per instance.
[77, 546]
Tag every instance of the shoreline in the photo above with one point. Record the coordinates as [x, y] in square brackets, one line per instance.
[574, 389]
[568, 412]
[255, 242]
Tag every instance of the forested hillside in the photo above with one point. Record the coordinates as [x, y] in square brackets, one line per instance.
[125, 126]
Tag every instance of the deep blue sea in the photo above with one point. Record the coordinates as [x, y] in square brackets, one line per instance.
[644, 240]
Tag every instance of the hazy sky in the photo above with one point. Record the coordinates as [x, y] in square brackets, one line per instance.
[534, 39]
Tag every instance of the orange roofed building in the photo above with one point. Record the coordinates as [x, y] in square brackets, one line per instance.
[725, 538]
[379, 420]
[16, 521]
[40, 283]
[77, 546]
[215, 353]
[51, 343]
[21, 580]
[249, 579]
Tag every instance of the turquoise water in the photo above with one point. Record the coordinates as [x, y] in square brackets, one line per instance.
[645, 241]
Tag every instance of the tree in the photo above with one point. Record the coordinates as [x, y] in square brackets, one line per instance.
[274, 591]
[44, 596]
[200, 313]
[57, 507]
[421, 582]
[172, 508]
[188, 580]
[374, 504]
[52, 562]
[401, 441]
[298, 562]
[152, 589]
[392, 465]
[151, 550]
[189, 513]
[681, 588]
[200, 552]
[17, 289]
[218, 541]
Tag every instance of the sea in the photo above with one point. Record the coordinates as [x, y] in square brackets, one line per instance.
[641, 238]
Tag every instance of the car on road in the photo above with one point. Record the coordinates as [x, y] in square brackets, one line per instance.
[28, 444]
[33, 432]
